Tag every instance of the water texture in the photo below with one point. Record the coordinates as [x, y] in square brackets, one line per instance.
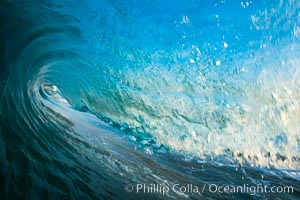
[96, 95]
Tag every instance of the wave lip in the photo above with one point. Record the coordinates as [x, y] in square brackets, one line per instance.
[184, 96]
[77, 85]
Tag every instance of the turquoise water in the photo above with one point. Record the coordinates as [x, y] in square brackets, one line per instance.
[101, 94]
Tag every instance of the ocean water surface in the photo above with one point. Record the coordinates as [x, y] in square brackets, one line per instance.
[109, 99]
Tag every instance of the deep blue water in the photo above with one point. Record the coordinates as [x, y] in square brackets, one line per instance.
[99, 96]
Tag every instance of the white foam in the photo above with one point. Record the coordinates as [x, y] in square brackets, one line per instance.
[253, 116]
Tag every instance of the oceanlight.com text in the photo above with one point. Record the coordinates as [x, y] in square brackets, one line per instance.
[192, 189]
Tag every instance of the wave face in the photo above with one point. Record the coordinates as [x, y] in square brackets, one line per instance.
[87, 85]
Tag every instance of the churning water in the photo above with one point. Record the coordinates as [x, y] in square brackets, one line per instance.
[96, 95]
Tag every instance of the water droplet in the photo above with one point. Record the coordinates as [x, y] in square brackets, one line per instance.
[218, 63]
[225, 45]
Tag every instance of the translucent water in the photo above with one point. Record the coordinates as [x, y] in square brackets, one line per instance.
[99, 94]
